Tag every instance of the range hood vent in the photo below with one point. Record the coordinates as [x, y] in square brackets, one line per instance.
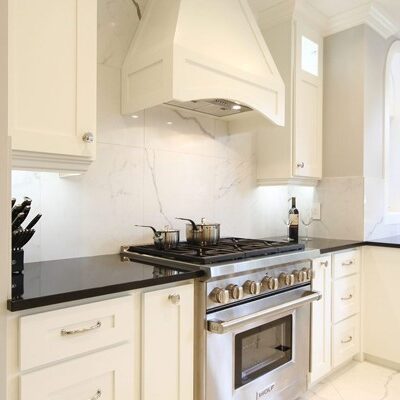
[205, 56]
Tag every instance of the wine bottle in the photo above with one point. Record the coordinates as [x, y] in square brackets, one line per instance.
[294, 221]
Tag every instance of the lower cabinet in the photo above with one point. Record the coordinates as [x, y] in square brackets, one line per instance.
[335, 326]
[346, 340]
[167, 344]
[106, 375]
[321, 319]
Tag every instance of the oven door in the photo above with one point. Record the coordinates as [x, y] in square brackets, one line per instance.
[260, 350]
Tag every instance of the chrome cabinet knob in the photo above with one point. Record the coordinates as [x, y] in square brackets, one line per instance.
[219, 295]
[252, 287]
[300, 164]
[235, 291]
[270, 283]
[324, 264]
[88, 137]
[174, 298]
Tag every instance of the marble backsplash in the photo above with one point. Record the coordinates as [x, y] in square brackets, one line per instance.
[150, 169]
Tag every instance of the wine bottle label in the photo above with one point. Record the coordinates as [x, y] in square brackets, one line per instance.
[294, 219]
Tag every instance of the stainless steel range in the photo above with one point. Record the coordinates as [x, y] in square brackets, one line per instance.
[252, 317]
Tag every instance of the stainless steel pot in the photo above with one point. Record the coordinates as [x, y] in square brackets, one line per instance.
[203, 234]
[164, 239]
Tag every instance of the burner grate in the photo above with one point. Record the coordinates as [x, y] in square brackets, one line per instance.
[228, 249]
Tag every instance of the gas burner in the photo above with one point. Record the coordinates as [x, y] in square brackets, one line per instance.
[228, 249]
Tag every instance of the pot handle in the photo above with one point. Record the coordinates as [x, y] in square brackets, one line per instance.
[195, 228]
[148, 226]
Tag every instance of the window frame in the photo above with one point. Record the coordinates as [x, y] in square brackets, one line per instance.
[389, 218]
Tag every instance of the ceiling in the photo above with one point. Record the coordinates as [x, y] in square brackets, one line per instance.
[118, 20]
[333, 9]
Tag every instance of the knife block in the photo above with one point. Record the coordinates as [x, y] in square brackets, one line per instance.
[17, 275]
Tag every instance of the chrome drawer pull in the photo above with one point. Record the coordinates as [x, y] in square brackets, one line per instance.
[349, 297]
[97, 395]
[347, 263]
[347, 340]
[64, 332]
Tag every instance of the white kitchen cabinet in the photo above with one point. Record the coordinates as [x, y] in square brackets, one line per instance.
[346, 340]
[307, 107]
[293, 154]
[335, 319]
[167, 344]
[321, 362]
[56, 335]
[381, 302]
[52, 84]
[105, 375]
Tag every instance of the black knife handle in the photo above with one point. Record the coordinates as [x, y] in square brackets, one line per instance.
[34, 221]
[18, 221]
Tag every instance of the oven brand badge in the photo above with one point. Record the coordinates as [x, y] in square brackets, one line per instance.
[265, 392]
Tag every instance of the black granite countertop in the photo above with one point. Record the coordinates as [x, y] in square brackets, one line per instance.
[52, 282]
[393, 241]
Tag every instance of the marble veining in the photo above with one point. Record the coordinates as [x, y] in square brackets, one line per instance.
[138, 10]
[358, 381]
[196, 121]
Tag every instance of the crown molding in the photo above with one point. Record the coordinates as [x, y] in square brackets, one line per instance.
[370, 14]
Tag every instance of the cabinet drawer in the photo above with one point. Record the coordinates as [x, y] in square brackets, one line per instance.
[346, 263]
[106, 375]
[346, 339]
[56, 335]
[346, 297]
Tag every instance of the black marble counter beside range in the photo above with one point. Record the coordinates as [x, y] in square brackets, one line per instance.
[393, 241]
[53, 282]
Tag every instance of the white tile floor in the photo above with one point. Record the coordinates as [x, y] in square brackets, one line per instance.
[358, 381]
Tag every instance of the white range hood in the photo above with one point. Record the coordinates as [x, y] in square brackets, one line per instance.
[208, 56]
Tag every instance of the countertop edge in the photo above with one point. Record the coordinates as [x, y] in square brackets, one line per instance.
[26, 304]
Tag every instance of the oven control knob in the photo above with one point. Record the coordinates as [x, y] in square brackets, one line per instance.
[252, 287]
[287, 279]
[270, 283]
[307, 273]
[219, 295]
[235, 291]
[302, 276]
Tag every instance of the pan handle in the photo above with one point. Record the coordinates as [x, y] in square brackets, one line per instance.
[195, 228]
[148, 226]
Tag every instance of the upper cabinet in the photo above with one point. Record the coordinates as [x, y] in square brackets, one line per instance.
[293, 154]
[52, 84]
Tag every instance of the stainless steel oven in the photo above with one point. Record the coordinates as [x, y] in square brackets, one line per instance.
[259, 350]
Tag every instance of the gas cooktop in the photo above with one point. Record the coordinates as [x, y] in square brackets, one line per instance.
[228, 249]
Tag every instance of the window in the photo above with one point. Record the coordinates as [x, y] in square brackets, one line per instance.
[392, 135]
[309, 56]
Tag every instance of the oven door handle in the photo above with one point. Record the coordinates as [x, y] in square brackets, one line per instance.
[222, 327]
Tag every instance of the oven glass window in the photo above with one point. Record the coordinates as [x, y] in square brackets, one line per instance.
[262, 349]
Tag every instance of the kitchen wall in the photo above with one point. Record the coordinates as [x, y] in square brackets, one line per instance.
[149, 169]
[353, 185]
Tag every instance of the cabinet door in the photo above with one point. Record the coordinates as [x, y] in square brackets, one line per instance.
[52, 59]
[307, 127]
[167, 347]
[321, 319]
[106, 375]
